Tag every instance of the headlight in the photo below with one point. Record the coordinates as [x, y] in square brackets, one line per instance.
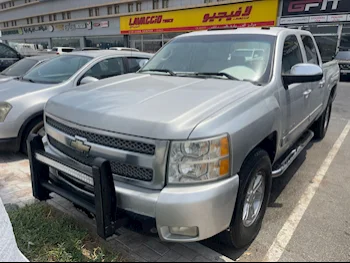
[4, 110]
[199, 161]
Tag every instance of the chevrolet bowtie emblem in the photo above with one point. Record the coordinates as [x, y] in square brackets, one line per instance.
[79, 145]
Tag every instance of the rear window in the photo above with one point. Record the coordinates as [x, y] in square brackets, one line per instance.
[19, 68]
[343, 55]
[67, 50]
[54, 49]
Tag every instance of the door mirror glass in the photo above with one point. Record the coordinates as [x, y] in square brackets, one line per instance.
[303, 73]
[88, 80]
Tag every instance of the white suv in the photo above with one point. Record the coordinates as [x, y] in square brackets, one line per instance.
[61, 50]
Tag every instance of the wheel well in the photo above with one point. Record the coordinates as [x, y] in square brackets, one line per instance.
[269, 144]
[30, 120]
[333, 92]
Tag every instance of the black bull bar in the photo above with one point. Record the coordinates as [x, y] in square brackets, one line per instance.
[104, 205]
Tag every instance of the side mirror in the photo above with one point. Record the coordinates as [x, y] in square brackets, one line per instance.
[88, 80]
[303, 73]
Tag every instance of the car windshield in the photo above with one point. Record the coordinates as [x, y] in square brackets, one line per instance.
[20, 68]
[343, 55]
[57, 70]
[229, 56]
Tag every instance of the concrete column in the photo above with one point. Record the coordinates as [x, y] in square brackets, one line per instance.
[50, 43]
[126, 41]
[82, 42]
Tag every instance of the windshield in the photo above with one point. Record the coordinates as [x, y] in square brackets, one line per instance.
[19, 68]
[57, 70]
[343, 55]
[232, 54]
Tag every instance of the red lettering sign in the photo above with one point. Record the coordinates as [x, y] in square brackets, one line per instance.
[228, 16]
[145, 20]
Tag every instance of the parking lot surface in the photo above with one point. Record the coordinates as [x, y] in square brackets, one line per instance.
[308, 218]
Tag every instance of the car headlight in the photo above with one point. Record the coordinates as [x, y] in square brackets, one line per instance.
[199, 160]
[4, 110]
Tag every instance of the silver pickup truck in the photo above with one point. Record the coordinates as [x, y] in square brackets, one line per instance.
[192, 141]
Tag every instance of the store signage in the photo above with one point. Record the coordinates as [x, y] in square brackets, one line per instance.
[337, 18]
[294, 20]
[97, 24]
[69, 27]
[80, 26]
[248, 14]
[89, 25]
[12, 32]
[59, 27]
[31, 30]
[313, 7]
[104, 24]
[318, 19]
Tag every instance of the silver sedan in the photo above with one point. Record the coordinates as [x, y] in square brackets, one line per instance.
[22, 100]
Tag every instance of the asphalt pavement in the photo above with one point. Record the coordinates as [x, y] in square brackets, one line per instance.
[308, 218]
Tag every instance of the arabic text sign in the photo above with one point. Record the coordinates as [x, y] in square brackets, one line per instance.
[234, 15]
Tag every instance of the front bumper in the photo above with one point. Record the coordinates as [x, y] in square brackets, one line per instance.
[207, 208]
[344, 72]
[9, 141]
[9, 145]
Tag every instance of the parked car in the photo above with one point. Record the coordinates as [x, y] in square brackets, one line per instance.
[62, 50]
[124, 49]
[8, 56]
[22, 100]
[22, 67]
[192, 141]
[86, 49]
[343, 58]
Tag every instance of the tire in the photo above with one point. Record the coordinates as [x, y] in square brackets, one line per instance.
[241, 232]
[36, 126]
[320, 127]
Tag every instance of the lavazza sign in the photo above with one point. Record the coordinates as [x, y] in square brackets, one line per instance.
[315, 11]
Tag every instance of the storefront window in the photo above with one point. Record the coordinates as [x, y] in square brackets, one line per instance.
[41, 43]
[345, 39]
[329, 29]
[66, 42]
[327, 46]
[105, 42]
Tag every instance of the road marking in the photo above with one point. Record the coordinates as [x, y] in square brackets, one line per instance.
[284, 236]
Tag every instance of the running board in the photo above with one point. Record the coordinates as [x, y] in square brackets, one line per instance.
[280, 167]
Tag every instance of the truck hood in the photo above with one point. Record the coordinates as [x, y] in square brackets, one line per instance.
[159, 107]
[13, 88]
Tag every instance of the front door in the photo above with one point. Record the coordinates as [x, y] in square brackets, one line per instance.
[316, 89]
[293, 99]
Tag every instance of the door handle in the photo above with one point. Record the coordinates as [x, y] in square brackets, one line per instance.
[307, 93]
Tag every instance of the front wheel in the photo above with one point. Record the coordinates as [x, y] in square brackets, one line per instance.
[34, 127]
[320, 127]
[252, 199]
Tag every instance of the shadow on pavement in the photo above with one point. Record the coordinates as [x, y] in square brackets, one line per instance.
[11, 157]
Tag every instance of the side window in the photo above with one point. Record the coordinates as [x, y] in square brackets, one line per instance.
[55, 49]
[311, 51]
[67, 50]
[136, 63]
[291, 54]
[7, 52]
[106, 69]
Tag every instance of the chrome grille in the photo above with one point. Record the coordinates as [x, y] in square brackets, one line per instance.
[127, 145]
[344, 66]
[121, 169]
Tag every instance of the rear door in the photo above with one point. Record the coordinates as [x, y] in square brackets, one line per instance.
[8, 56]
[316, 89]
[293, 99]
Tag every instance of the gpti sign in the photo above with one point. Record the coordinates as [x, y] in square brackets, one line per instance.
[306, 5]
[302, 7]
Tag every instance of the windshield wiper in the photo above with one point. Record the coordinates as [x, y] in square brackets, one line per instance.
[160, 70]
[29, 80]
[220, 74]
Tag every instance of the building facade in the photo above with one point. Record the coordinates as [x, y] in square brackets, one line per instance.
[328, 20]
[146, 25]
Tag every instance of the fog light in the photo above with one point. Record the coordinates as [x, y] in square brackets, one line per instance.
[184, 231]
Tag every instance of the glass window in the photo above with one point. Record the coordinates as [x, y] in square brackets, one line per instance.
[97, 11]
[135, 63]
[20, 68]
[69, 15]
[138, 6]
[105, 42]
[345, 42]
[66, 42]
[311, 52]
[63, 16]
[343, 55]
[106, 69]
[57, 70]
[291, 54]
[329, 29]
[327, 46]
[7, 52]
[155, 4]
[165, 3]
[116, 9]
[131, 8]
[67, 50]
[109, 10]
[91, 12]
[217, 54]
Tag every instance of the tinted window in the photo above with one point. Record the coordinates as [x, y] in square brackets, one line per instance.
[19, 68]
[343, 55]
[7, 52]
[311, 52]
[57, 70]
[136, 63]
[67, 50]
[106, 69]
[215, 54]
[291, 54]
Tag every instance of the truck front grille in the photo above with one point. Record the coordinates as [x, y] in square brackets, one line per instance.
[344, 66]
[121, 169]
[116, 143]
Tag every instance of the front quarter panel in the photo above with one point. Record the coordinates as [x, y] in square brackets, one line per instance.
[248, 122]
